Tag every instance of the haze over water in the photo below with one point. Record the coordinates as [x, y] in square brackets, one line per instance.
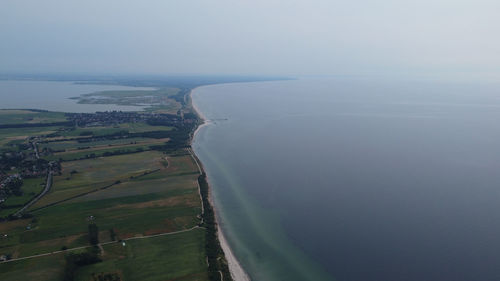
[356, 180]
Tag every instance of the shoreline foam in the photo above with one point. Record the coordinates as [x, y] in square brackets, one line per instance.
[235, 268]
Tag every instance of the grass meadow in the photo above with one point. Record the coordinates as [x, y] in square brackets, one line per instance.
[157, 194]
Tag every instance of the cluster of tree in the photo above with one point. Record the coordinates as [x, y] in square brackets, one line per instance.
[178, 139]
[27, 165]
[49, 151]
[23, 146]
[11, 217]
[13, 206]
[86, 133]
[123, 151]
[153, 134]
[91, 256]
[73, 261]
[180, 96]
[105, 154]
[112, 234]
[93, 234]
[173, 120]
[122, 134]
[106, 277]
[83, 147]
[190, 115]
[11, 186]
[34, 168]
[61, 139]
[212, 245]
[11, 159]
[53, 135]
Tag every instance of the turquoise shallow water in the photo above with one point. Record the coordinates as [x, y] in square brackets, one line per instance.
[360, 180]
[265, 251]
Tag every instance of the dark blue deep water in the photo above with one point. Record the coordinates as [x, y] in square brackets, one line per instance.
[356, 179]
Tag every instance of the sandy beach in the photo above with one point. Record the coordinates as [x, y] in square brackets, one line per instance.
[237, 271]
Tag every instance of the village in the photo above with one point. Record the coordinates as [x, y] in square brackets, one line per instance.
[113, 118]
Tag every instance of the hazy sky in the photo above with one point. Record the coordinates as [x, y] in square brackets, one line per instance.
[250, 36]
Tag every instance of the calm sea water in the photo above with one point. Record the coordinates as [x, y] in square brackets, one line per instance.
[55, 96]
[356, 180]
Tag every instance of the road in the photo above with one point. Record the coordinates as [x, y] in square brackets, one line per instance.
[48, 185]
[200, 171]
[35, 147]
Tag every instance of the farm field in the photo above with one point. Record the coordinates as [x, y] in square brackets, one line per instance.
[125, 127]
[107, 187]
[170, 257]
[19, 134]
[75, 144]
[142, 204]
[174, 257]
[82, 176]
[43, 268]
[95, 153]
[112, 144]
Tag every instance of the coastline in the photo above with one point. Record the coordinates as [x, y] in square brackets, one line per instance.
[235, 268]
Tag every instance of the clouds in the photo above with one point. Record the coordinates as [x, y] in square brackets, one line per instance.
[242, 37]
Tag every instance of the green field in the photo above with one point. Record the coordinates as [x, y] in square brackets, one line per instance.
[174, 257]
[74, 144]
[95, 131]
[142, 127]
[82, 148]
[18, 116]
[93, 153]
[101, 131]
[16, 134]
[163, 201]
[45, 268]
[171, 257]
[81, 176]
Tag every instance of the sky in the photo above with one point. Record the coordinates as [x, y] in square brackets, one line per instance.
[258, 37]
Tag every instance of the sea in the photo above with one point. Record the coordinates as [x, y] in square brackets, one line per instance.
[355, 178]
